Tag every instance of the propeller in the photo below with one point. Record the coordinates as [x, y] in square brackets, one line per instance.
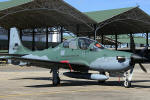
[144, 52]
[132, 44]
[143, 68]
[138, 58]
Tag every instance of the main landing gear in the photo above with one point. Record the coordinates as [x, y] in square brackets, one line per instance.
[128, 78]
[55, 75]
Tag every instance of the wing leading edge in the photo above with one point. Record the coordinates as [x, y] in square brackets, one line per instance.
[48, 63]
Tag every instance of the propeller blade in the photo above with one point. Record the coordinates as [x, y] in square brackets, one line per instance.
[143, 68]
[144, 51]
[141, 56]
[139, 59]
[132, 43]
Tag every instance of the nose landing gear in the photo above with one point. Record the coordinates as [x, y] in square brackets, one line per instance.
[127, 84]
[128, 78]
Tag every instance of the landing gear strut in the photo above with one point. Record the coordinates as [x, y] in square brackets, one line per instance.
[128, 78]
[55, 74]
[127, 83]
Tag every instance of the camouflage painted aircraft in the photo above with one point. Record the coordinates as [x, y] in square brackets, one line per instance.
[79, 55]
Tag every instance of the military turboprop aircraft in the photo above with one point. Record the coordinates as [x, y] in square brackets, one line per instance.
[79, 55]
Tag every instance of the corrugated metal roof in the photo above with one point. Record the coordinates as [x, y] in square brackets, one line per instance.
[100, 16]
[23, 14]
[69, 17]
[12, 3]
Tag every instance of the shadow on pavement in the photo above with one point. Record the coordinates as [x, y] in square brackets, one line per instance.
[77, 82]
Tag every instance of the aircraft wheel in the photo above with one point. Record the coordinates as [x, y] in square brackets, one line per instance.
[56, 81]
[127, 84]
[55, 75]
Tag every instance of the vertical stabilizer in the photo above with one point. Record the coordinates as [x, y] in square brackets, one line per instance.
[15, 44]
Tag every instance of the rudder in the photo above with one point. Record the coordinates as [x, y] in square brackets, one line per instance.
[15, 44]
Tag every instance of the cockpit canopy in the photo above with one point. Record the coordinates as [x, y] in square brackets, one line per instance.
[83, 44]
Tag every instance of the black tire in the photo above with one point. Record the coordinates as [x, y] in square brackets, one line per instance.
[56, 81]
[127, 84]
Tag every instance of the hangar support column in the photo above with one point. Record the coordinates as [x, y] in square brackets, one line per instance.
[95, 31]
[147, 39]
[8, 39]
[46, 37]
[132, 44]
[51, 35]
[116, 45]
[102, 38]
[33, 39]
[127, 45]
[21, 35]
[61, 32]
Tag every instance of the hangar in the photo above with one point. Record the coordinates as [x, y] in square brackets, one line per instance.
[32, 14]
[121, 21]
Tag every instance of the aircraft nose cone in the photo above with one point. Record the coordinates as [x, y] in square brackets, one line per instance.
[110, 63]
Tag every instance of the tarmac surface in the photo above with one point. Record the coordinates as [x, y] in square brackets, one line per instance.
[32, 83]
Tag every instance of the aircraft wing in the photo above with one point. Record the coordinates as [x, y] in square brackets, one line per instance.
[5, 57]
[17, 55]
[48, 63]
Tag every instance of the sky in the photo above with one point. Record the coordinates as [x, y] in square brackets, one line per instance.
[94, 5]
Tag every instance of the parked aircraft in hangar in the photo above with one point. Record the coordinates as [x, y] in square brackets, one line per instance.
[79, 55]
